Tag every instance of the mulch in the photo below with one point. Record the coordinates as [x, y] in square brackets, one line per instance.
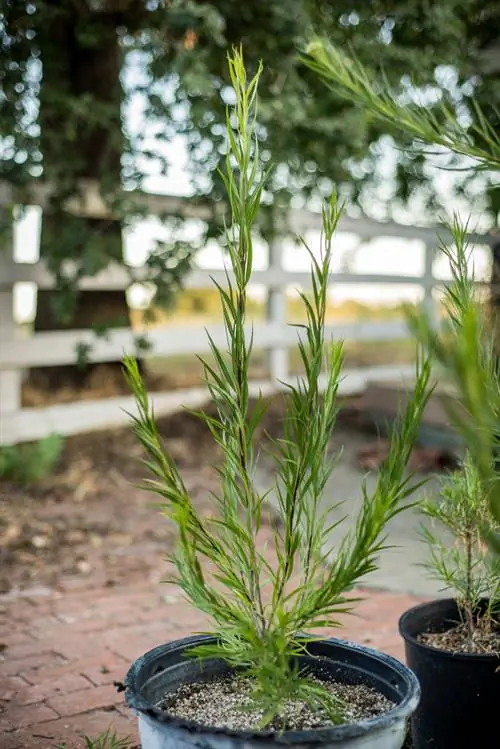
[76, 521]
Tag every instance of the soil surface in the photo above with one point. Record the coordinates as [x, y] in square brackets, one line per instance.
[225, 703]
[91, 519]
[485, 640]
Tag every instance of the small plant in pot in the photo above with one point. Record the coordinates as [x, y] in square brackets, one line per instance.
[453, 645]
[262, 678]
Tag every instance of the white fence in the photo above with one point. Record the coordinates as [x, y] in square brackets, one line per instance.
[47, 349]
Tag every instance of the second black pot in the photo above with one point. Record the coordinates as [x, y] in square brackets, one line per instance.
[460, 696]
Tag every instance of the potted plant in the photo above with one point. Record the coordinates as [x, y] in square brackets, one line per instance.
[452, 645]
[262, 679]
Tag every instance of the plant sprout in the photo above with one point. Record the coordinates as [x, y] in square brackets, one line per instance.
[258, 609]
[109, 739]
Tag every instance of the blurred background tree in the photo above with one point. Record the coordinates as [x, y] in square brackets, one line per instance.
[97, 90]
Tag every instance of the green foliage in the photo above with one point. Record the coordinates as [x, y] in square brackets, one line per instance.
[436, 92]
[107, 740]
[439, 127]
[466, 566]
[258, 611]
[28, 463]
[69, 71]
[465, 350]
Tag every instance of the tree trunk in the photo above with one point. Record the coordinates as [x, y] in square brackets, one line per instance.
[81, 138]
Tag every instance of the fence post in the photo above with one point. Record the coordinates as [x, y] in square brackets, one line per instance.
[10, 379]
[276, 313]
[430, 304]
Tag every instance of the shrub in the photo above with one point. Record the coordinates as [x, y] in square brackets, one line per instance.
[31, 462]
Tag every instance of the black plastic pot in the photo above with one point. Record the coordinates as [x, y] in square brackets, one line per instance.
[460, 691]
[165, 668]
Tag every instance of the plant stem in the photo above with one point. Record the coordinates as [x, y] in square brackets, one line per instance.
[289, 555]
[469, 603]
[253, 510]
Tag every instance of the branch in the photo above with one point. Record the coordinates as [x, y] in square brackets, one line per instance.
[348, 78]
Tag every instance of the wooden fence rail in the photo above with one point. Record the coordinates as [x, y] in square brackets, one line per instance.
[17, 353]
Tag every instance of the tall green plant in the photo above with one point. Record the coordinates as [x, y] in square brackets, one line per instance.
[465, 350]
[258, 610]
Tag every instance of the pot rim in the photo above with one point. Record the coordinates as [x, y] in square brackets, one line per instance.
[314, 737]
[434, 603]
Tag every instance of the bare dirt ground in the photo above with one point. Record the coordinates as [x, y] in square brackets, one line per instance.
[91, 520]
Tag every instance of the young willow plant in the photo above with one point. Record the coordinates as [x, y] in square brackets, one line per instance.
[259, 610]
[467, 352]
[465, 565]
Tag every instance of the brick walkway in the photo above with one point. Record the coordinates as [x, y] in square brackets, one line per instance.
[61, 652]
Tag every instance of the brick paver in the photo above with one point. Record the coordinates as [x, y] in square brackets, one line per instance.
[62, 650]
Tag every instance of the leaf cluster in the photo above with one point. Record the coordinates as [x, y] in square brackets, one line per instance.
[465, 349]
[432, 127]
[259, 608]
[26, 464]
[466, 565]
[108, 739]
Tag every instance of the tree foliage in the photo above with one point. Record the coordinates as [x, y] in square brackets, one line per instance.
[70, 72]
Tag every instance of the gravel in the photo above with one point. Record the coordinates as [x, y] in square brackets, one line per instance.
[224, 703]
